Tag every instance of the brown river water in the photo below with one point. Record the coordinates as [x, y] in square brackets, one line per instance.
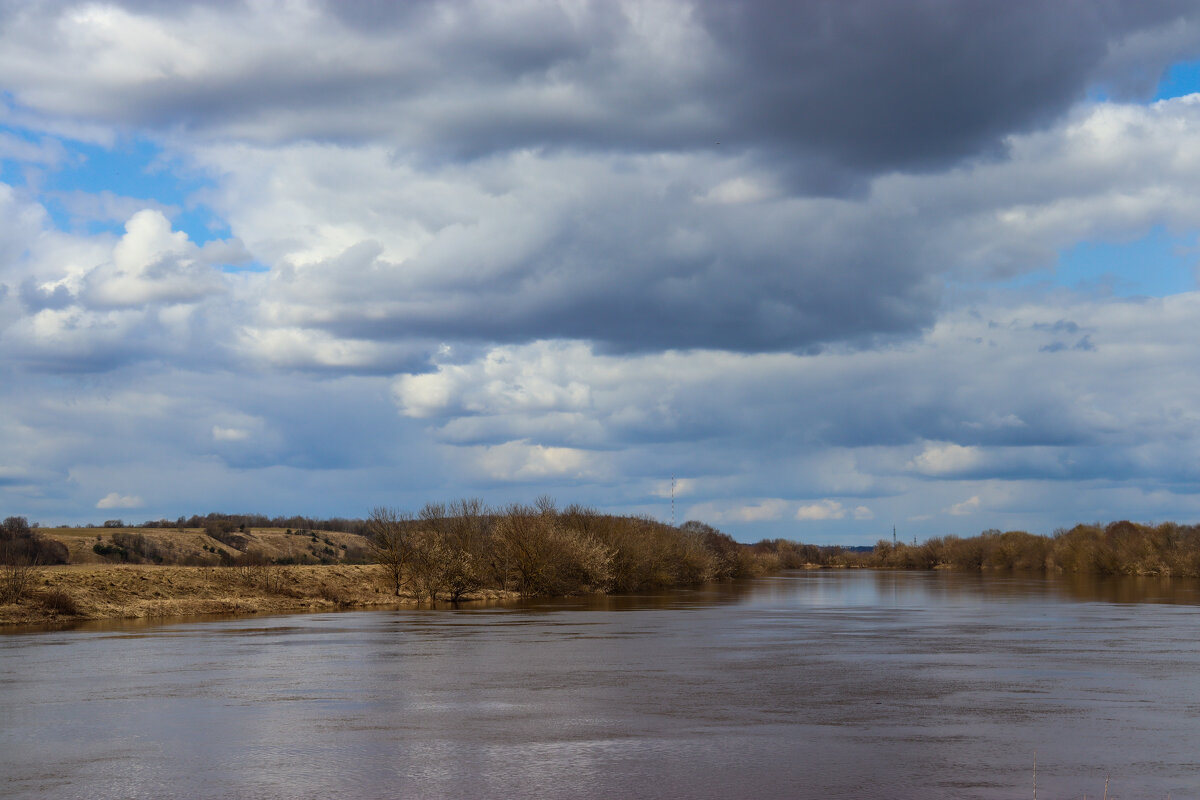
[824, 684]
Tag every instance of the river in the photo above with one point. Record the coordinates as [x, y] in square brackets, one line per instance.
[821, 684]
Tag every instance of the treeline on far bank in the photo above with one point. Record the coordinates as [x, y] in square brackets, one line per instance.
[444, 551]
[451, 550]
[1119, 548]
[230, 522]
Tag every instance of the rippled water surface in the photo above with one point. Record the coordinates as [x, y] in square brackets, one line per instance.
[815, 684]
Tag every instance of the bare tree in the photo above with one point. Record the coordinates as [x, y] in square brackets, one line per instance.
[431, 552]
[545, 557]
[449, 547]
[18, 556]
[471, 547]
[391, 537]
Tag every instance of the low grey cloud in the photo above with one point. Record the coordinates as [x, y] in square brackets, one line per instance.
[142, 430]
[826, 92]
[946, 407]
[36, 298]
[645, 253]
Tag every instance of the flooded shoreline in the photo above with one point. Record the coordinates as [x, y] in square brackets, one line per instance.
[156, 595]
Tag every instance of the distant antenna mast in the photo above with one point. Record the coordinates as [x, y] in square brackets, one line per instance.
[893, 536]
[672, 501]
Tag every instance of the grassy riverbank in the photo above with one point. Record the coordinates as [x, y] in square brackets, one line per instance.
[129, 591]
[446, 553]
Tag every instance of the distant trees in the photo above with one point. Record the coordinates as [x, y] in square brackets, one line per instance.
[22, 548]
[794, 555]
[246, 521]
[21, 541]
[1120, 548]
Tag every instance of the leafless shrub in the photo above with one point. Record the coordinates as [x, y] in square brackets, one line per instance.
[58, 601]
[256, 570]
[17, 574]
[224, 532]
[19, 553]
[335, 595]
[542, 557]
[357, 550]
[141, 548]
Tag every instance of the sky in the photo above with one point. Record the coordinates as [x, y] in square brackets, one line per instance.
[819, 270]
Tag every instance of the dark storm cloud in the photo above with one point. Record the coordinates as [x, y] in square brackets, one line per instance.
[636, 301]
[827, 91]
[875, 85]
[633, 265]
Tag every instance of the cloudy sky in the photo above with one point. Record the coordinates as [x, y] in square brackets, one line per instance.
[835, 265]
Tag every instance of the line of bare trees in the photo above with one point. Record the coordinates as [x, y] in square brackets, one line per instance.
[22, 549]
[1119, 548]
[447, 551]
[241, 522]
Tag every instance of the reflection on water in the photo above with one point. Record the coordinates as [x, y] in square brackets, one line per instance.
[812, 684]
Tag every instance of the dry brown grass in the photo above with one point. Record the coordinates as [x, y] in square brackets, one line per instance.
[111, 591]
[194, 546]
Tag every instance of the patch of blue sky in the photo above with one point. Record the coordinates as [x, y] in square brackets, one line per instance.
[252, 266]
[136, 169]
[1181, 79]
[20, 151]
[1156, 265]
[10, 172]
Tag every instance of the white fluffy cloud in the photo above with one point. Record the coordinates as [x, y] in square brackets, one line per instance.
[521, 461]
[823, 509]
[151, 264]
[945, 459]
[966, 507]
[117, 500]
[677, 487]
[78, 302]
